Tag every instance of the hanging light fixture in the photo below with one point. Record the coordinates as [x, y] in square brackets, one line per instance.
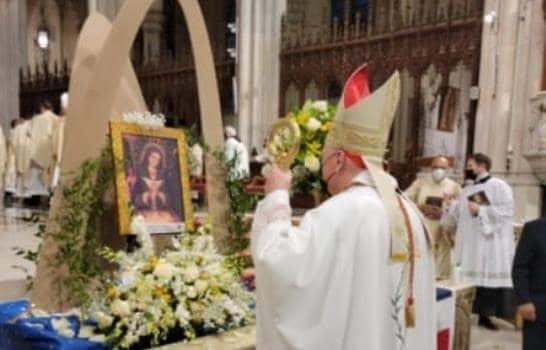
[42, 39]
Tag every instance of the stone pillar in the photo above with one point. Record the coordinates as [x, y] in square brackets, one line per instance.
[244, 68]
[109, 8]
[10, 60]
[511, 59]
[151, 32]
[259, 40]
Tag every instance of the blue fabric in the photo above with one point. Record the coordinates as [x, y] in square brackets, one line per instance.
[37, 333]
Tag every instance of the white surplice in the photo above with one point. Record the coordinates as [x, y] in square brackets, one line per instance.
[419, 192]
[236, 150]
[484, 245]
[330, 283]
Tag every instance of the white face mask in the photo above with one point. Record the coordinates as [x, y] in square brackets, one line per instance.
[439, 174]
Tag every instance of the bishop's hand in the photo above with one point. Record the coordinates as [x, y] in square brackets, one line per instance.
[277, 179]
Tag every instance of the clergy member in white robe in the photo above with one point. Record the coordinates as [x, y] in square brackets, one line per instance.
[3, 157]
[428, 193]
[236, 151]
[358, 272]
[484, 244]
[10, 177]
[42, 131]
[20, 147]
[58, 141]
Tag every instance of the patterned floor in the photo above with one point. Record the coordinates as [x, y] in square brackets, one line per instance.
[17, 230]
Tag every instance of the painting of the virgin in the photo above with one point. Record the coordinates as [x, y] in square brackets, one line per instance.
[152, 178]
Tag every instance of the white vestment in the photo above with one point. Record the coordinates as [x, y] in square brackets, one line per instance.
[10, 178]
[426, 189]
[196, 160]
[20, 151]
[484, 245]
[235, 149]
[3, 157]
[42, 133]
[330, 283]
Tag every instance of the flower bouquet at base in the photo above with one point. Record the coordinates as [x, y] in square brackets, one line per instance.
[314, 120]
[185, 293]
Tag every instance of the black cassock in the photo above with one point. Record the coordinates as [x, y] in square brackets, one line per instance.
[529, 275]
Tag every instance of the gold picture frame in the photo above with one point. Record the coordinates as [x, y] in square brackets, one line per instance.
[152, 178]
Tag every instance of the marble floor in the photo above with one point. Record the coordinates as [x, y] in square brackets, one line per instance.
[17, 231]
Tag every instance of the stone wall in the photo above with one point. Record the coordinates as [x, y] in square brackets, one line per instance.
[10, 56]
[510, 75]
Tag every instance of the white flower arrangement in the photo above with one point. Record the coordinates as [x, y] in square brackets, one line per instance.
[62, 326]
[312, 163]
[145, 119]
[313, 124]
[192, 289]
[321, 105]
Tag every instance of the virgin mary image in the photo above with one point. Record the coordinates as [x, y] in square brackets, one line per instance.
[149, 193]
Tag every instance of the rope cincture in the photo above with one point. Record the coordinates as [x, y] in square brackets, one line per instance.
[410, 301]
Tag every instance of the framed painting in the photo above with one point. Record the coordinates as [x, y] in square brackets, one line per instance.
[152, 179]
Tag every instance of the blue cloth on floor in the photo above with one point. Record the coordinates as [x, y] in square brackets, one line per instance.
[37, 333]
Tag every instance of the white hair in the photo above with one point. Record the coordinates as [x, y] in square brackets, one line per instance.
[230, 131]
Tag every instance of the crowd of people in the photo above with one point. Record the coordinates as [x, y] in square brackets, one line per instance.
[477, 220]
[30, 156]
[363, 264]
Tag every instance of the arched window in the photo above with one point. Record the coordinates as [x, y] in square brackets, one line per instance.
[312, 92]
[338, 10]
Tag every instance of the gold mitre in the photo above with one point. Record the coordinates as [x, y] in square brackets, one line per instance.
[363, 120]
[362, 126]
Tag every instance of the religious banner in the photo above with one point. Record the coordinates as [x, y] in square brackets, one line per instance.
[152, 179]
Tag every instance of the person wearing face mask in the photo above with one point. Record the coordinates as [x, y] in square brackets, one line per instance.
[428, 193]
[358, 272]
[484, 244]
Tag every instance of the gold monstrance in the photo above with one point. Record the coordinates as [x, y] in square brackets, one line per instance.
[283, 143]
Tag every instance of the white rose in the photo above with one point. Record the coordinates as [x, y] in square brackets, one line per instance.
[321, 105]
[233, 309]
[128, 278]
[164, 270]
[201, 286]
[226, 277]
[182, 315]
[138, 225]
[120, 308]
[191, 293]
[62, 327]
[214, 269]
[191, 274]
[98, 338]
[312, 163]
[103, 319]
[86, 332]
[313, 124]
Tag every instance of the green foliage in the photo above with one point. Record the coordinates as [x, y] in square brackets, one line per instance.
[240, 203]
[75, 229]
[315, 121]
[77, 223]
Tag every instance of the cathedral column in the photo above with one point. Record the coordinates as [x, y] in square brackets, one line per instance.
[10, 60]
[244, 69]
[109, 8]
[509, 77]
[151, 32]
[259, 39]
